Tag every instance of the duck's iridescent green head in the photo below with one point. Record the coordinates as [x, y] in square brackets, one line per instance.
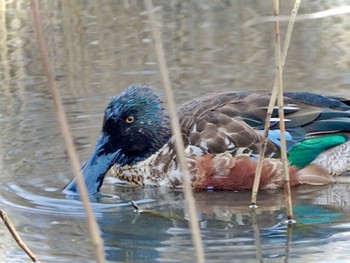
[135, 125]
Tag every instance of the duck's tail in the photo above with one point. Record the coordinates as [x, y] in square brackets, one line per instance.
[313, 175]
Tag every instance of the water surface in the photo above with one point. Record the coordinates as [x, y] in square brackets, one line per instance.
[97, 49]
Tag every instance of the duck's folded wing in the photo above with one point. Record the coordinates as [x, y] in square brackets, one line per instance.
[214, 124]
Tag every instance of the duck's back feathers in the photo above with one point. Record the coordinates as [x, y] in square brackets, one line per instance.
[224, 122]
[317, 100]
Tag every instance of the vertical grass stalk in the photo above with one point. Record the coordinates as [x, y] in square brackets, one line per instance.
[272, 104]
[187, 189]
[73, 157]
[278, 63]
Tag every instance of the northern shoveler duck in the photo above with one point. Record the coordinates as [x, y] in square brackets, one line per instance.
[222, 135]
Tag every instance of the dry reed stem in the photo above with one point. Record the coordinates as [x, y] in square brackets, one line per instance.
[16, 236]
[280, 102]
[272, 103]
[179, 145]
[91, 220]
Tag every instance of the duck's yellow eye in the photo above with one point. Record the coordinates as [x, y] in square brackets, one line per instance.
[129, 119]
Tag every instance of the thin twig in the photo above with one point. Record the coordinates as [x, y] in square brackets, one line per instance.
[16, 236]
[189, 199]
[271, 105]
[73, 157]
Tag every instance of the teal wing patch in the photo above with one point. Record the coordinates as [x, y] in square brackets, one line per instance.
[304, 153]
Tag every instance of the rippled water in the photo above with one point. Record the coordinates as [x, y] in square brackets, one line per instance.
[97, 49]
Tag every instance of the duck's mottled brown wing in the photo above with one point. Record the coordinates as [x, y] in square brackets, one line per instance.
[214, 124]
